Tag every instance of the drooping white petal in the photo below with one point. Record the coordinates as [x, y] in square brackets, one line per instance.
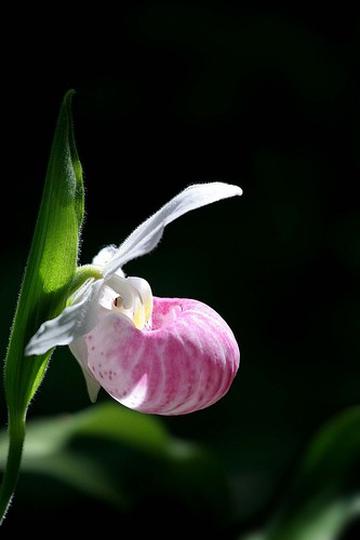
[148, 234]
[75, 321]
[80, 351]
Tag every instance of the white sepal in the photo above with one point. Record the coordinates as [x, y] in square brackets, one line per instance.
[145, 237]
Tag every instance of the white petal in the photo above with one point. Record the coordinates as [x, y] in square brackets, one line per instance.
[75, 321]
[148, 234]
[80, 351]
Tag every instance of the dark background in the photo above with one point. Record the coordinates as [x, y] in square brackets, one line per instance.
[169, 94]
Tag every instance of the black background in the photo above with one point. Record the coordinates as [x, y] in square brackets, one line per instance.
[169, 94]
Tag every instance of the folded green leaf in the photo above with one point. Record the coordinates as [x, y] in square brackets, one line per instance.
[51, 264]
[46, 284]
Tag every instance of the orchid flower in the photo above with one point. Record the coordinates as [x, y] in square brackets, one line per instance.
[164, 356]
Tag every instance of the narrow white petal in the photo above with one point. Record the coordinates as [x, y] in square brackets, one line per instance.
[80, 351]
[144, 239]
[75, 321]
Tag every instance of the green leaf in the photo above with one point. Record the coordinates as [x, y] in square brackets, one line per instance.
[325, 496]
[46, 285]
[118, 455]
[51, 264]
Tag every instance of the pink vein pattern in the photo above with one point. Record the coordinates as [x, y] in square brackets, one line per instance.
[184, 362]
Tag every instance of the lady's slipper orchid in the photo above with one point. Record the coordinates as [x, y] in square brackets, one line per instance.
[156, 355]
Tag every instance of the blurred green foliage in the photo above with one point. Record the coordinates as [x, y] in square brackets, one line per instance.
[325, 496]
[119, 456]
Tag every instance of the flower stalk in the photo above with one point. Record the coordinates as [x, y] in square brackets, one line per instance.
[82, 275]
[16, 431]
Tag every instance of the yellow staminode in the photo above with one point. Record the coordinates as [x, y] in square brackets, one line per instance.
[136, 301]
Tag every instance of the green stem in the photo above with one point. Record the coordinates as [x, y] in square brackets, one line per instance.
[83, 273]
[11, 474]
